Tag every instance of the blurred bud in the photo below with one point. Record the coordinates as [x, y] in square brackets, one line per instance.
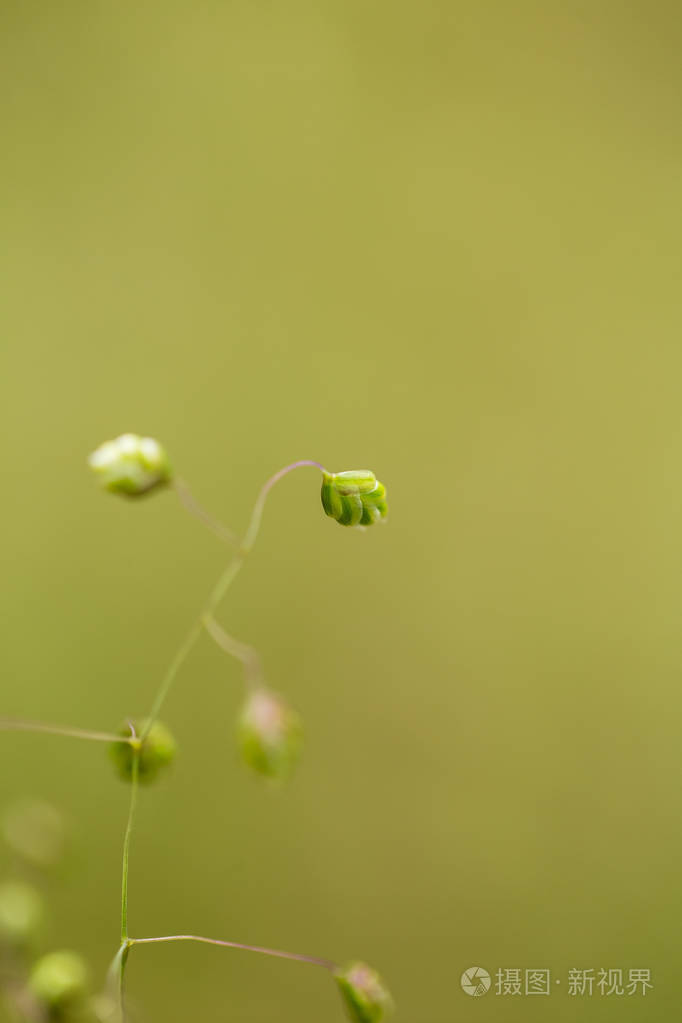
[131, 465]
[155, 753]
[21, 913]
[364, 993]
[105, 1008]
[59, 980]
[270, 734]
[35, 831]
[354, 498]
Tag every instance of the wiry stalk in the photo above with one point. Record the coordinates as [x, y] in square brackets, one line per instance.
[205, 619]
[19, 725]
[191, 504]
[242, 651]
[125, 942]
[219, 590]
[327, 964]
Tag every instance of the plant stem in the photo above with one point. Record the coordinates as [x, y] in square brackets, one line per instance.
[168, 679]
[327, 964]
[16, 725]
[134, 785]
[219, 590]
[257, 513]
[217, 593]
[115, 975]
[125, 949]
[191, 505]
[242, 651]
[125, 942]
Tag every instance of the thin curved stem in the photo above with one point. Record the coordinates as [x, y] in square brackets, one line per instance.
[219, 590]
[18, 725]
[134, 785]
[249, 657]
[217, 593]
[125, 949]
[115, 978]
[257, 513]
[326, 964]
[114, 971]
[122, 957]
[168, 679]
[190, 503]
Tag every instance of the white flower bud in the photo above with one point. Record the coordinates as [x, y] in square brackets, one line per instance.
[130, 465]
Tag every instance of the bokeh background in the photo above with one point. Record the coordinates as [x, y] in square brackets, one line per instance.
[440, 240]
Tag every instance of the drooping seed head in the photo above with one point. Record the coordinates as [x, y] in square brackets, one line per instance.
[21, 913]
[155, 752]
[365, 995]
[59, 981]
[270, 734]
[354, 498]
[131, 465]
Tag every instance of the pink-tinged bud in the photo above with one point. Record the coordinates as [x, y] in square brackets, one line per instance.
[365, 995]
[270, 734]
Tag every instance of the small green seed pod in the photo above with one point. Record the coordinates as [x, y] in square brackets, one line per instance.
[21, 913]
[59, 981]
[365, 995]
[354, 498]
[270, 734]
[155, 753]
[131, 465]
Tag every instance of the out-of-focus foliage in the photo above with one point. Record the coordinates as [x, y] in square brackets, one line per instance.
[34, 831]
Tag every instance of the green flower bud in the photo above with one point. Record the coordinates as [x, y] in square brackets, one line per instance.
[35, 831]
[364, 993]
[354, 498]
[59, 980]
[21, 913]
[131, 465]
[270, 734]
[155, 753]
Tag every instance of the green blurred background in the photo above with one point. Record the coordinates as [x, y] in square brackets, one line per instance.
[440, 240]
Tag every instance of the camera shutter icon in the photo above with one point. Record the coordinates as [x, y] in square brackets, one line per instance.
[475, 981]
